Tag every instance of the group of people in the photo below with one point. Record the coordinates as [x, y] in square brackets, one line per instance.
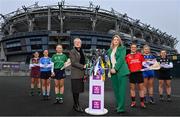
[133, 66]
[137, 67]
[45, 68]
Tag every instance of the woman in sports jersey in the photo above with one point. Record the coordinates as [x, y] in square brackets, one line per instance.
[165, 75]
[148, 75]
[35, 74]
[134, 61]
[46, 68]
[59, 60]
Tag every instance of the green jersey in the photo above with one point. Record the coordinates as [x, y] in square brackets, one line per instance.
[59, 60]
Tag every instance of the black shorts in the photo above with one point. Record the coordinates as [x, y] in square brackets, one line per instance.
[45, 74]
[165, 78]
[136, 77]
[164, 75]
[59, 74]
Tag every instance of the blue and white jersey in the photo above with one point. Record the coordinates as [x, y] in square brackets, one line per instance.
[149, 57]
[46, 64]
[149, 60]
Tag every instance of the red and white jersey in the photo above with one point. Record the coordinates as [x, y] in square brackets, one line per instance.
[134, 61]
[34, 64]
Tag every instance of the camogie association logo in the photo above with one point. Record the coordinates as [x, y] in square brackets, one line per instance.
[96, 89]
[96, 104]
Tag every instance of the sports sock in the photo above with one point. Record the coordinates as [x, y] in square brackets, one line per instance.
[133, 99]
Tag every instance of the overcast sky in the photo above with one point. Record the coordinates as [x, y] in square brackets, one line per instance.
[162, 14]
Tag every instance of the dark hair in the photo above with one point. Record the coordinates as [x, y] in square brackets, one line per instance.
[35, 53]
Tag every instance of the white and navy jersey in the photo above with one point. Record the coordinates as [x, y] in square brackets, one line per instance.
[166, 65]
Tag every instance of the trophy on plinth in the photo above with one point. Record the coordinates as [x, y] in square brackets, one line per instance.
[96, 83]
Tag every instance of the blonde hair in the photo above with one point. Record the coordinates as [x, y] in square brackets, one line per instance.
[146, 46]
[120, 41]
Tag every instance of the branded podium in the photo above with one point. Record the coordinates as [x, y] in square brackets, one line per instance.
[96, 96]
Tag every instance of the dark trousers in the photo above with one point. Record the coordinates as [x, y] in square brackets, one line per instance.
[76, 98]
[77, 86]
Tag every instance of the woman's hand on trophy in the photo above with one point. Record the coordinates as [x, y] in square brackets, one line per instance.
[113, 71]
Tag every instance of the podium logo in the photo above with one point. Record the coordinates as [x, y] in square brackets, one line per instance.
[96, 104]
[96, 89]
[97, 77]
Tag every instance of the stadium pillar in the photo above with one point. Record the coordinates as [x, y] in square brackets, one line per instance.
[61, 16]
[117, 26]
[94, 18]
[151, 38]
[93, 24]
[142, 35]
[2, 54]
[11, 29]
[49, 19]
[132, 33]
[30, 25]
[62, 23]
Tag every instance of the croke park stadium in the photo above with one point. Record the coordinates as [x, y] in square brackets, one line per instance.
[36, 28]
